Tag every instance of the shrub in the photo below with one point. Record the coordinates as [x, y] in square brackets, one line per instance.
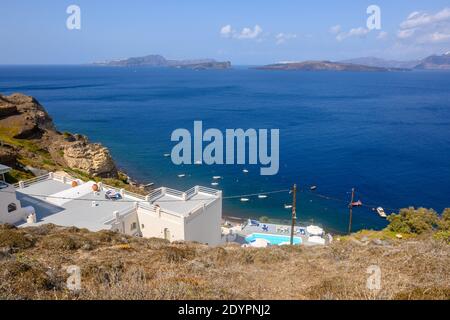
[175, 254]
[444, 223]
[15, 239]
[64, 242]
[413, 220]
[443, 235]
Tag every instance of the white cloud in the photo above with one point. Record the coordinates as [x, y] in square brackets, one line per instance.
[335, 29]
[354, 32]
[421, 28]
[436, 37]
[283, 37]
[404, 34]
[226, 31]
[420, 19]
[382, 35]
[246, 33]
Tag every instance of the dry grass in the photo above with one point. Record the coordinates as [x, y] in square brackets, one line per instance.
[33, 265]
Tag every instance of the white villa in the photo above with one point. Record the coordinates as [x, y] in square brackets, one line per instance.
[193, 215]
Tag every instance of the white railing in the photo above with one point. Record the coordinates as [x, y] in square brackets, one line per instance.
[155, 194]
[207, 190]
[175, 193]
[153, 209]
[124, 192]
[191, 192]
[47, 176]
[29, 182]
[64, 178]
[121, 214]
[134, 195]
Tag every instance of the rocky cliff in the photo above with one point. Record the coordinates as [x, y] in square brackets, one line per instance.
[30, 139]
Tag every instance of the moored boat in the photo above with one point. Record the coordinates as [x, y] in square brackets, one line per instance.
[381, 212]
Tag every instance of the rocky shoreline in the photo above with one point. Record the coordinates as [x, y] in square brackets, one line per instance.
[31, 144]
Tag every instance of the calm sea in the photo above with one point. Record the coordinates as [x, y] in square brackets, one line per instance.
[385, 134]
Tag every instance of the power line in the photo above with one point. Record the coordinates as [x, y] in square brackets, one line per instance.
[257, 194]
[322, 196]
[141, 201]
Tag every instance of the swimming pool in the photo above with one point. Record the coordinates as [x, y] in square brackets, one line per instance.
[274, 239]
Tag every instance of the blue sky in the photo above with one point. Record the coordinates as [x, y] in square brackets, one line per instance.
[245, 32]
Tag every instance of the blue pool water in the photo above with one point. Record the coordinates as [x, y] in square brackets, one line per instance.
[273, 239]
[386, 134]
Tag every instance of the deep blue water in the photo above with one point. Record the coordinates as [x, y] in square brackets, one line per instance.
[386, 134]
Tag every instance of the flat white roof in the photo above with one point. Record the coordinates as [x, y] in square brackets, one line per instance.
[59, 203]
[4, 169]
[183, 207]
[78, 212]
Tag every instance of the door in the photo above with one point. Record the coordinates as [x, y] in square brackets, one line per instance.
[167, 234]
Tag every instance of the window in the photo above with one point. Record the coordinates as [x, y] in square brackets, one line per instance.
[12, 207]
[134, 226]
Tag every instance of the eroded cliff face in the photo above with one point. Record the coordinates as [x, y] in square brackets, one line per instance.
[28, 132]
[92, 158]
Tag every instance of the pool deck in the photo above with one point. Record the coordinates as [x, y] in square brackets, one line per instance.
[277, 229]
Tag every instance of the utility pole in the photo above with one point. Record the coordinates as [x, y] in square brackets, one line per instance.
[350, 207]
[294, 212]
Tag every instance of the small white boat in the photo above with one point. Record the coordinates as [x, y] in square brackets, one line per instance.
[217, 177]
[288, 206]
[262, 196]
[312, 188]
[181, 175]
[245, 171]
[198, 162]
[166, 155]
[244, 199]
[381, 212]
[214, 183]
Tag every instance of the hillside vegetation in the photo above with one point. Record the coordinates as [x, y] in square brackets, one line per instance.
[34, 261]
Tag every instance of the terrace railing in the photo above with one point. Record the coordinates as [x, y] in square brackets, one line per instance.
[175, 193]
[207, 190]
[29, 182]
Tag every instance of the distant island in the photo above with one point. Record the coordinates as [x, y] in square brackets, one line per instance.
[435, 62]
[368, 64]
[159, 61]
[325, 66]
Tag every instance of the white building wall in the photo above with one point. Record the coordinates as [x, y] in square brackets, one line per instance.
[7, 197]
[157, 225]
[204, 226]
[125, 223]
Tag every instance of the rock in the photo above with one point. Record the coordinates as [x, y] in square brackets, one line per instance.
[379, 242]
[92, 158]
[8, 156]
[25, 118]
[6, 111]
